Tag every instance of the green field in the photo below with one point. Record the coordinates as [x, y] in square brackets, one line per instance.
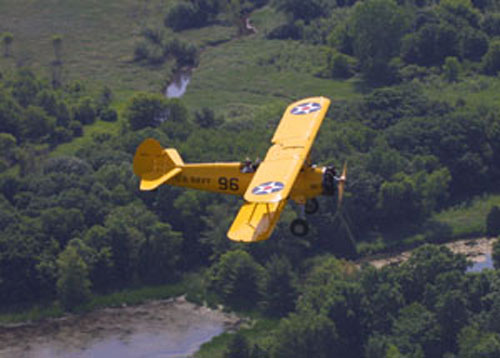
[469, 218]
[98, 40]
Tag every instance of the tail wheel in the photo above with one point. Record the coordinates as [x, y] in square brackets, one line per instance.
[311, 206]
[299, 227]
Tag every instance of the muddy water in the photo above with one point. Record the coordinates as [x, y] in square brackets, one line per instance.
[167, 329]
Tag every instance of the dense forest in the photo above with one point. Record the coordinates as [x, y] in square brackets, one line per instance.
[77, 225]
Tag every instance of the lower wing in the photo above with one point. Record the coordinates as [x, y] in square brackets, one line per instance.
[255, 221]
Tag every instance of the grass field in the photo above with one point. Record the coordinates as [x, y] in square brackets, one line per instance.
[469, 218]
[98, 39]
[477, 90]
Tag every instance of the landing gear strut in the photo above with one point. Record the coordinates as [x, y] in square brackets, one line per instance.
[299, 227]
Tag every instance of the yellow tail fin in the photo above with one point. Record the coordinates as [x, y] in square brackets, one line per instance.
[155, 165]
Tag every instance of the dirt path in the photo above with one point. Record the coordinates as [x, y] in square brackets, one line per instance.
[476, 250]
[168, 328]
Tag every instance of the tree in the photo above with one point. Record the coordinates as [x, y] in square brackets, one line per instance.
[7, 40]
[491, 60]
[278, 288]
[399, 202]
[377, 27]
[302, 10]
[25, 87]
[474, 343]
[62, 224]
[341, 66]
[383, 299]
[235, 278]
[57, 44]
[8, 144]
[238, 347]
[424, 266]
[10, 114]
[304, 336]
[431, 44]
[36, 123]
[73, 285]
[85, 111]
[416, 331]
[451, 313]
[493, 221]
[160, 254]
[146, 109]
[451, 69]
[496, 254]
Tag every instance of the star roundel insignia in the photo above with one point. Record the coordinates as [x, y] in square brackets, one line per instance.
[268, 188]
[305, 108]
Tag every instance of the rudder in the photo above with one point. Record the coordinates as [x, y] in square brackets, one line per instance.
[155, 165]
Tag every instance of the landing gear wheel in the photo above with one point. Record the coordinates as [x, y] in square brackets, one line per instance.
[299, 227]
[311, 206]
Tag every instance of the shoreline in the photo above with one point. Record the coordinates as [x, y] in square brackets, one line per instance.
[476, 250]
[160, 325]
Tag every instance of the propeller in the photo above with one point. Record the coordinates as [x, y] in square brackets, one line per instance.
[341, 185]
[339, 214]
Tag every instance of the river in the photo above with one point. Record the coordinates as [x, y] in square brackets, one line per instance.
[178, 86]
[166, 329]
[171, 328]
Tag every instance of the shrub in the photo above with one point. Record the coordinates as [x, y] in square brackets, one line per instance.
[108, 115]
[185, 16]
[341, 66]
[493, 222]
[491, 61]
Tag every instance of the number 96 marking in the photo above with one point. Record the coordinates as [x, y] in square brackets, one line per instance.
[228, 184]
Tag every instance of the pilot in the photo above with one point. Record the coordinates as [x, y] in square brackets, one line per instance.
[247, 166]
[330, 179]
[256, 164]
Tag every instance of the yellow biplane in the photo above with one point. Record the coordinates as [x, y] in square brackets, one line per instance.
[285, 173]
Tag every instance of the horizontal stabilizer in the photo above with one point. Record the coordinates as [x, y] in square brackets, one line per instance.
[155, 183]
[255, 221]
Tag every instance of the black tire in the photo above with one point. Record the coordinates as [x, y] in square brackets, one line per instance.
[311, 206]
[299, 227]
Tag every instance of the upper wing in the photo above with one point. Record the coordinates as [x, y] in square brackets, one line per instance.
[255, 221]
[292, 143]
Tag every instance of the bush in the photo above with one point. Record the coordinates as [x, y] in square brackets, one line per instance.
[108, 115]
[496, 254]
[341, 66]
[185, 54]
[185, 16]
[451, 69]
[141, 51]
[287, 31]
[85, 111]
[437, 232]
[76, 128]
[491, 61]
[493, 222]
